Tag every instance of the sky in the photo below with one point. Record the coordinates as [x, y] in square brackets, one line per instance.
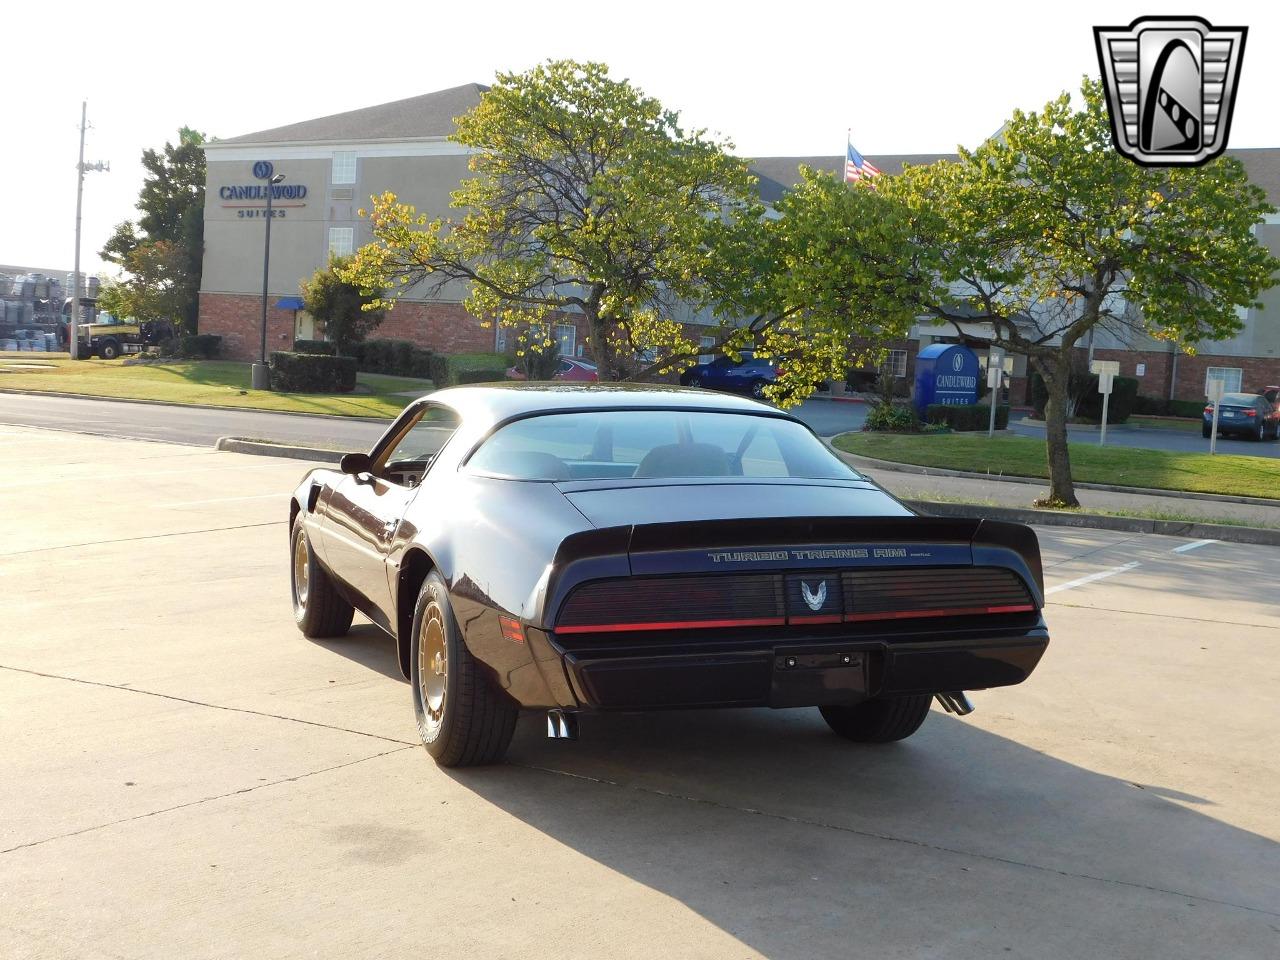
[777, 79]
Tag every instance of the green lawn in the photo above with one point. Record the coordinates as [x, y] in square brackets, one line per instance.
[1025, 457]
[217, 382]
[1166, 423]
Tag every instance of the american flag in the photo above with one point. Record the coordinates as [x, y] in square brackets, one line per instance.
[856, 166]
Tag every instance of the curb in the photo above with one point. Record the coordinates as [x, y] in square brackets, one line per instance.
[1166, 528]
[826, 396]
[190, 406]
[894, 467]
[264, 448]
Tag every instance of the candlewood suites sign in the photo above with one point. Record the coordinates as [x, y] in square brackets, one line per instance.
[250, 199]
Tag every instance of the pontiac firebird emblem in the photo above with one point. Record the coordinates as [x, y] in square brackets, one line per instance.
[1171, 87]
[814, 600]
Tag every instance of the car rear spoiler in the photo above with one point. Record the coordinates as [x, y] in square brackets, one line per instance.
[728, 546]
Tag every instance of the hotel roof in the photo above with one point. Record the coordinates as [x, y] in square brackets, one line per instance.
[431, 116]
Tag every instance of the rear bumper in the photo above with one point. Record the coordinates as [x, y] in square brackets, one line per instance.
[810, 671]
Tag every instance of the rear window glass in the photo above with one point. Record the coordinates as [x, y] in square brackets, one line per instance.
[652, 444]
[1240, 399]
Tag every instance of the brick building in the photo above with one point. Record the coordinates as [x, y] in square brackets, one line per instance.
[332, 165]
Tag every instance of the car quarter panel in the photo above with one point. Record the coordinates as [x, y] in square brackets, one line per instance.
[493, 541]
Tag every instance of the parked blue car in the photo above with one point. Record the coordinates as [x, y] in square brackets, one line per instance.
[1244, 414]
[749, 376]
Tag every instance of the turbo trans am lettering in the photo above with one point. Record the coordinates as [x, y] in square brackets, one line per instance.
[825, 553]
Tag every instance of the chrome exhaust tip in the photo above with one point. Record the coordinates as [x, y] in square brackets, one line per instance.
[561, 725]
[955, 702]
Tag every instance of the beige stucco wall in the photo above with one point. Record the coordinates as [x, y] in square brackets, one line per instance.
[235, 228]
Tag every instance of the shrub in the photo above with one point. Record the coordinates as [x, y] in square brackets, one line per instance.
[480, 375]
[312, 373]
[446, 369]
[1161, 407]
[892, 418]
[860, 381]
[1123, 392]
[975, 416]
[314, 346]
[399, 358]
[1187, 408]
[1088, 402]
[201, 346]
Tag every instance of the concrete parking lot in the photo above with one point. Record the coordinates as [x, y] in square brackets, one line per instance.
[183, 775]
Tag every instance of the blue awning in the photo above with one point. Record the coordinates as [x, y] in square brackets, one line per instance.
[289, 303]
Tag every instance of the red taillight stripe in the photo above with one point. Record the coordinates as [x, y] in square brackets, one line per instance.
[779, 621]
[674, 625]
[947, 612]
[511, 629]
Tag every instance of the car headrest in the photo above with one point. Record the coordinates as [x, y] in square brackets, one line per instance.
[684, 460]
[534, 465]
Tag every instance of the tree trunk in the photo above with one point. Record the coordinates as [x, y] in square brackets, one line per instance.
[1056, 374]
[601, 350]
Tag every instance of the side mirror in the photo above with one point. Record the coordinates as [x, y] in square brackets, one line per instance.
[354, 464]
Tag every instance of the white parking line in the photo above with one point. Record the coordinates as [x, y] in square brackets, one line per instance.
[1193, 546]
[1100, 575]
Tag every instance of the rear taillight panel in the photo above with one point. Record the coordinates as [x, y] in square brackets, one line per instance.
[792, 598]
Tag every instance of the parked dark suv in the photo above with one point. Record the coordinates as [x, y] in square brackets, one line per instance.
[750, 375]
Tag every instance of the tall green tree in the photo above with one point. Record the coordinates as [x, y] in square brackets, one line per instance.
[151, 286]
[348, 314]
[161, 253]
[589, 197]
[1045, 233]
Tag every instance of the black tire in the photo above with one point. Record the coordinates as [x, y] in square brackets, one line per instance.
[462, 719]
[108, 350]
[1205, 431]
[881, 720]
[757, 389]
[694, 381]
[318, 608]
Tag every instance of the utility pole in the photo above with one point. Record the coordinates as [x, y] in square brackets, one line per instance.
[73, 326]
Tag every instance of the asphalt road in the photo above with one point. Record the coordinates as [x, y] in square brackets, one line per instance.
[203, 426]
[185, 775]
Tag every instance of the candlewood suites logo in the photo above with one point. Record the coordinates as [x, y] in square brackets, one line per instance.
[1171, 87]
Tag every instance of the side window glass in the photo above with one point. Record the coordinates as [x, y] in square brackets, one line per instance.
[410, 457]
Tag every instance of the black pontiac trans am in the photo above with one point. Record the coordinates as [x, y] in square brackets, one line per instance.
[579, 547]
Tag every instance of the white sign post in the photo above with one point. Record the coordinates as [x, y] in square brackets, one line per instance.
[995, 379]
[1214, 391]
[1106, 371]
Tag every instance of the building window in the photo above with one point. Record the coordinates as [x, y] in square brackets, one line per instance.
[342, 241]
[706, 343]
[896, 363]
[567, 338]
[1230, 377]
[344, 166]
